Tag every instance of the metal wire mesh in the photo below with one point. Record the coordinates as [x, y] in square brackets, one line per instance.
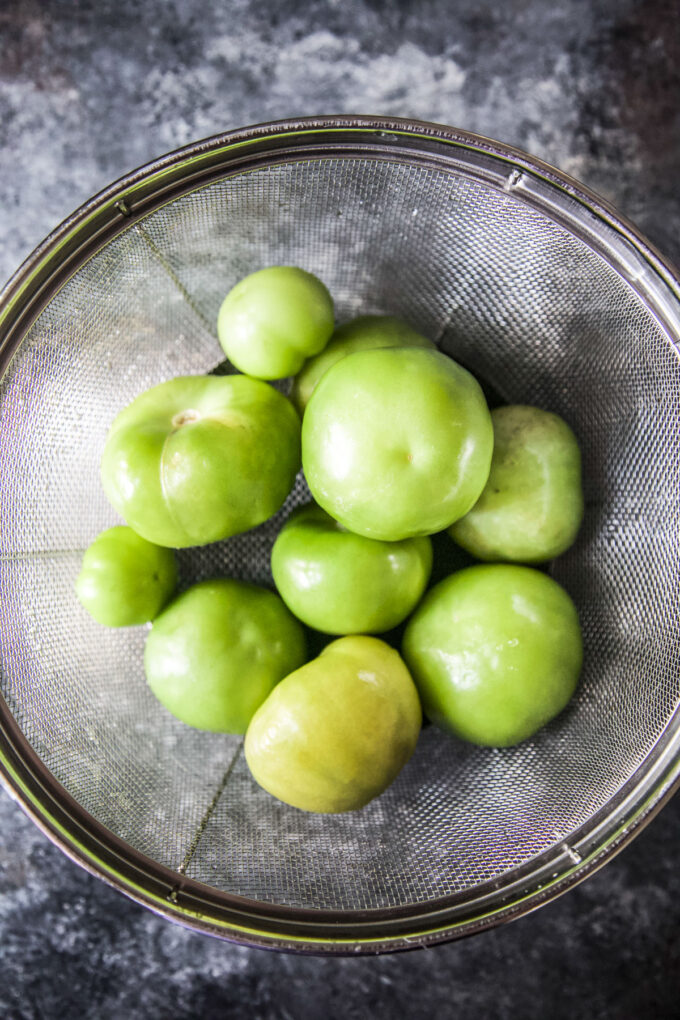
[513, 295]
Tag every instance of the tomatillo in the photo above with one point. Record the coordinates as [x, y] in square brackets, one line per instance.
[397, 442]
[334, 734]
[274, 319]
[532, 504]
[495, 651]
[218, 650]
[342, 583]
[367, 332]
[199, 458]
[125, 580]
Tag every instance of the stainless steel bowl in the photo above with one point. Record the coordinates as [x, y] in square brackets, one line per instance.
[529, 280]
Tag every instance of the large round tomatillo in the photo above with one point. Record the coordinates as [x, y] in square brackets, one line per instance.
[495, 651]
[396, 442]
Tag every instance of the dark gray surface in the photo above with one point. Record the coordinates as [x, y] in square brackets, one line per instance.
[89, 90]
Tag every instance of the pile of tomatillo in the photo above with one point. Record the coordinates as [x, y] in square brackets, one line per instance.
[397, 443]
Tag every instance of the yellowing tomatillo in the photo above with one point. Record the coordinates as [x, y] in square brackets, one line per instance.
[335, 733]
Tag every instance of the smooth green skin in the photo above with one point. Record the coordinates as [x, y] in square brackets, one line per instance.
[532, 505]
[217, 651]
[272, 320]
[342, 583]
[200, 458]
[336, 733]
[396, 442]
[125, 580]
[366, 333]
[495, 651]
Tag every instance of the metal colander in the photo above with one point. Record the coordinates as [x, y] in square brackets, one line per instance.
[547, 296]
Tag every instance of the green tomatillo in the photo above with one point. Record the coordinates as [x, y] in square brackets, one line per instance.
[125, 580]
[334, 734]
[199, 458]
[367, 332]
[342, 583]
[396, 442]
[274, 319]
[495, 651]
[217, 651]
[532, 504]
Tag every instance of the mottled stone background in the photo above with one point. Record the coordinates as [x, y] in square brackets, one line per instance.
[89, 90]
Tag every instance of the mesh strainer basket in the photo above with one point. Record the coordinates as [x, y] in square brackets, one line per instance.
[527, 279]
